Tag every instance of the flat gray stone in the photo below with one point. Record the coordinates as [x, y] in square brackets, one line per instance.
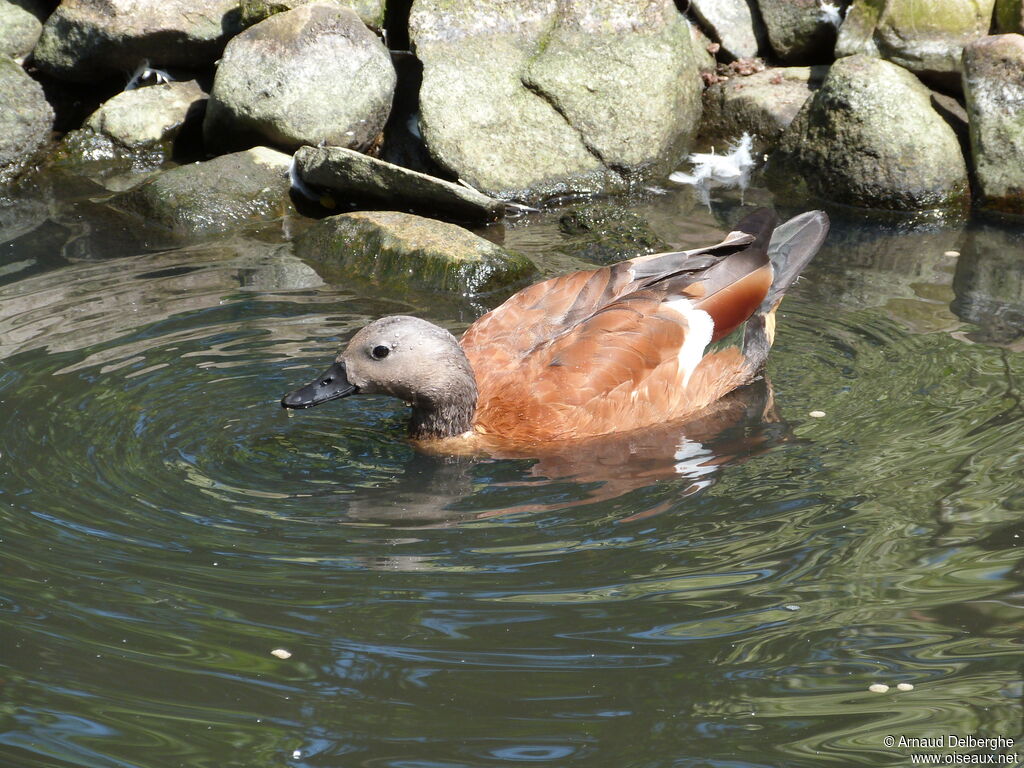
[993, 80]
[731, 24]
[925, 36]
[312, 75]
[228, 192]
[25, 121]
[402, 250]
[358, 177]
[86, 39]
[539, 98]
[870, 137]
[762, 104]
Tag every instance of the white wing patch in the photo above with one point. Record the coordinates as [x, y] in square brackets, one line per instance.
[699, 330]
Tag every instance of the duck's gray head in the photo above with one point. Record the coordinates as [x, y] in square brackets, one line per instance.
[407, 358]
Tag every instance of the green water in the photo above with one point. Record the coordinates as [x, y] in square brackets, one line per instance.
[719, 594]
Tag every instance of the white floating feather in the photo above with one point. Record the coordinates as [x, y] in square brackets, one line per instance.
[729, 170]
[831, 13]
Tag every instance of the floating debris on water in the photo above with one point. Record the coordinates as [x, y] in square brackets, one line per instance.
[904, 687]
[951, 253]
[878, 687]
[281, 653]
[817, 414]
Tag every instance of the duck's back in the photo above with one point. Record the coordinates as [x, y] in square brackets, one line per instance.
[620, 347]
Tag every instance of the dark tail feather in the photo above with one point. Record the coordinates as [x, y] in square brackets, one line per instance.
[792, 246]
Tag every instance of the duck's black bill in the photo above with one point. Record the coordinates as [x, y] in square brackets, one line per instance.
[329, 385]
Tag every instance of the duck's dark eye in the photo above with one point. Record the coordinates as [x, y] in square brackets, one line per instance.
[380, 352]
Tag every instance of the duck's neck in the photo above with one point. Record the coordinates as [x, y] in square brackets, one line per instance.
[447, 412]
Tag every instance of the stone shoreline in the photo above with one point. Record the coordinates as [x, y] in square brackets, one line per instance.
[900, 105]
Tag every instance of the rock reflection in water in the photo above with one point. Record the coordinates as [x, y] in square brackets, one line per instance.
[989, 285]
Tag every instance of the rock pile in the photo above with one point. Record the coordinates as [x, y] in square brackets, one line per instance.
[893, 104]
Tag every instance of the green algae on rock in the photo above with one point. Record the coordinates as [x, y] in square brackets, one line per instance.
[870, 137]
[404, 250]
[925, 36]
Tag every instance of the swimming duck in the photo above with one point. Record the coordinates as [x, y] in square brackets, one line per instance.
[590, 353]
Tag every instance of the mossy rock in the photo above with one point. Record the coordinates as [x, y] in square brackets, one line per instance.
[219, 195]
[401, 250]
[602, 233]
[870, 137]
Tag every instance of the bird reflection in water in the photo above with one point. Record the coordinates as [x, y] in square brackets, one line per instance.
[444, 491]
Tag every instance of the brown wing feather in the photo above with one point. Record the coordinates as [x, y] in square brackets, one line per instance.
[597, 351]
[616, 371]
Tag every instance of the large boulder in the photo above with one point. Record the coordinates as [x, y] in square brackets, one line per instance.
[355, 177]
[20, 26]
[218, 195]
[731, 23]
[993, 80]
[371, 12]
[870, 137]
[312, 75]
[762, 104]
[539, 97]
[86, 39]
[402, 250]
[925, 36]
[25, 121]
[799, 31]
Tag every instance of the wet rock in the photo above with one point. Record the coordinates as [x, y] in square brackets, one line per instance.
[993, 80]
[403, 250]
[1009, 16]
[534, 99]
[371, 12]
[989, 283]
[20, 26]
[730, 23]
[146, 116]
[355, 177]
[799, 31]
[25, 120]
[605, 234]
[133, 132]
[762, 104]
[925, 36]
[869, 137]
[218, 195]
[311, 75]
[86, 39]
